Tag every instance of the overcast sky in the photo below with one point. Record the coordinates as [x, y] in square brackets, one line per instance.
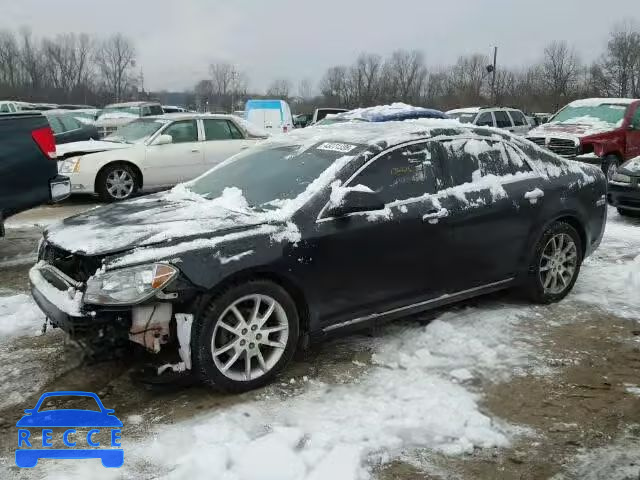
[177, 39]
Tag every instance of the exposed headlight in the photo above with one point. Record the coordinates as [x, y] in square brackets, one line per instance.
[71, 165]
[129, 285]
[620, 178]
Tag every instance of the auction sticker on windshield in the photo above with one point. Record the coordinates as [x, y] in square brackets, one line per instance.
[69, 433]
[337, 147]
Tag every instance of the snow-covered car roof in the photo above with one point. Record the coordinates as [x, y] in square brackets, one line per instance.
[130, 104]
[464, 110]
[594, 102]
[385, 113]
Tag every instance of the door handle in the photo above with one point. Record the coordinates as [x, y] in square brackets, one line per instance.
[434, 215]
[244, 148]
[195, 150]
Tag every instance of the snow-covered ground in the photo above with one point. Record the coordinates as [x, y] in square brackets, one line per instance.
[419, 391]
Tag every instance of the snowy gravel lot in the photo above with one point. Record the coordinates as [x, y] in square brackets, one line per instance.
[438, 396]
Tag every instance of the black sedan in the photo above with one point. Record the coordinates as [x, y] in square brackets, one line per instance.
[319, 232]
[624, 188]
[67, 128]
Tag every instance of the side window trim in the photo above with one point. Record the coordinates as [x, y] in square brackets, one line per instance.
[322, 218]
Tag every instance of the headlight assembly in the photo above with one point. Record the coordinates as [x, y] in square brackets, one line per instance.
[620, 178]
[71, 165]
[128, 285]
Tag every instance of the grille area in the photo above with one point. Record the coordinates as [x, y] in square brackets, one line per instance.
[78, 267]
[560, 146]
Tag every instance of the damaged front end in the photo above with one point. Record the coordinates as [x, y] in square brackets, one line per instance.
[104, 311]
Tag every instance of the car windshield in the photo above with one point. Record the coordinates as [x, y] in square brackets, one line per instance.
[269, 174]
[464, 117]
[608, 113]
[136, 132]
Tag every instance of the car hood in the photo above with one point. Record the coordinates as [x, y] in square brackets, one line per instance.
[157, 219]
[632, 167]
[88, 146]
[570, 130]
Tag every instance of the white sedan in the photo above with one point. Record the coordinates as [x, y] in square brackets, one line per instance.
[153, 153]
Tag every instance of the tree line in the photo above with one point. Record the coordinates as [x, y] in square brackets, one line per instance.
[80, 68]
[559, 77]
[67, 68]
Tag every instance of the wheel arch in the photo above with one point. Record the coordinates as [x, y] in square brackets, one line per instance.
[136, 169]
[298, 296]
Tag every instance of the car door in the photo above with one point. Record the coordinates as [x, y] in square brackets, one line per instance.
[490, 214]
[503, 120]
[633, 135]
[175, 162]
[484, 119]
[222, 139]
[372, 262]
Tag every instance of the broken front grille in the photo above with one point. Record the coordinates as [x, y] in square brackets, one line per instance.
[77, 267]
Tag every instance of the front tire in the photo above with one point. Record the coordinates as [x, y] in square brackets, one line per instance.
[556, 264]
[116, 182]
[246, 336]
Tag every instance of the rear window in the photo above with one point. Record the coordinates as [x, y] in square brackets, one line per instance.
[518, 118]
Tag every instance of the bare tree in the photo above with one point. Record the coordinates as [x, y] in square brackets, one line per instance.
[333, 86]
[9, 59]
[620, 66]
[279, 88]
[364, 79]
[115, 58]
[304, 89]
[31, 60]
[467, 79]
[561, 69]
[406, 74]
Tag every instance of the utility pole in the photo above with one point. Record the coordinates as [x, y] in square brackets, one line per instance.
[493, 78]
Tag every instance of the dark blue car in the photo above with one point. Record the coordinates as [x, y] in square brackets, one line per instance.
[396, 112]
[73, 418]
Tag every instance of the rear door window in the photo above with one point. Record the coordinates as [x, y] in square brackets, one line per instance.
[69, 123]
[156, 110]
[4, 108]
[502, 119]
[518, 118]
[404, 173]
[485, 119]
[469, 160]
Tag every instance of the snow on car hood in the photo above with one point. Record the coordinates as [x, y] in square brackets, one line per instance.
[88, 146]
[632, 167]
[573, 128]
[151, 220]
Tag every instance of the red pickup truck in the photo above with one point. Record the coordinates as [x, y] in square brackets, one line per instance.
[602, 131]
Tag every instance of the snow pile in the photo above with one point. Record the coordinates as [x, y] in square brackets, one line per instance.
[632, 389]
[368, 113]
[414, 396]
[610, 278]
[19, 315]
[534, 195]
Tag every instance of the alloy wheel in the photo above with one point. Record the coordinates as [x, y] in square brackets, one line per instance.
[249, 337]
[558, 263]
[119, 184]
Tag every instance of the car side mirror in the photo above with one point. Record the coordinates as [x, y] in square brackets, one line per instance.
[163, 139]
[355, 201]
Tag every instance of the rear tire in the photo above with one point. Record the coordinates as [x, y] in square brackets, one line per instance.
[116, 182]
[556, 264]
[232, 331]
